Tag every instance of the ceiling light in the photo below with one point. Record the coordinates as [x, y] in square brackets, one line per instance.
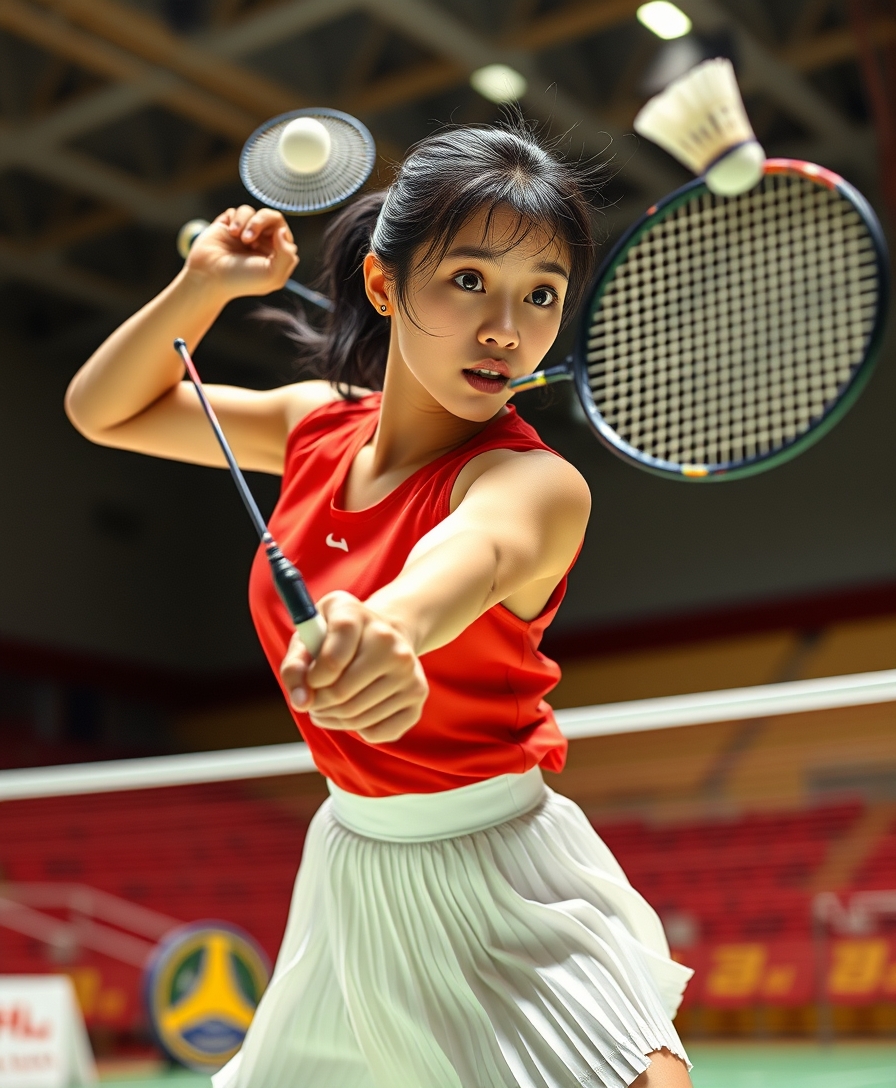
[664, 19]
[499, 83]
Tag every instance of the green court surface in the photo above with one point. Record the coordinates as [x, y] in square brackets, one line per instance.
[793, 1066]
[715, 1066]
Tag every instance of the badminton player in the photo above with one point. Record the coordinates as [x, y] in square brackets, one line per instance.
[455, 923]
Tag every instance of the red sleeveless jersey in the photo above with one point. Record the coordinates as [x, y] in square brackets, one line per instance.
[485, 714]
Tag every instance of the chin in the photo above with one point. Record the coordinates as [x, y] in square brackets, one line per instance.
[480, 411]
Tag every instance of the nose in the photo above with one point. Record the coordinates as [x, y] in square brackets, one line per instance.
[499, 329]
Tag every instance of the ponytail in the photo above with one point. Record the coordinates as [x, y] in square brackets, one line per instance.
[350, 347]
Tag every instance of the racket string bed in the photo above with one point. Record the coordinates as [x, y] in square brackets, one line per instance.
[734, 323]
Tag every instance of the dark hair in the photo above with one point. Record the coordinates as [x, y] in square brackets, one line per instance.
[446, 179]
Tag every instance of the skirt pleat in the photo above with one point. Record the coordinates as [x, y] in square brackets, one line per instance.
[518, 956]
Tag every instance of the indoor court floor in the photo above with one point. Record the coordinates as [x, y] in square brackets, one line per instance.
[715, 1066]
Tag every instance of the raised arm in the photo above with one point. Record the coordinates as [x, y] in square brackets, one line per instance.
[510, 541]
[130, 393]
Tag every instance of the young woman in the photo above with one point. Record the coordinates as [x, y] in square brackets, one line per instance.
[455, 923]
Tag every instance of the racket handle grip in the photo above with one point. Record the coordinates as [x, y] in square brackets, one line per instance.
[294, 593]
[312, 633]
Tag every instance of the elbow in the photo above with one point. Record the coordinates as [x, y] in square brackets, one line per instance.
[77, 415]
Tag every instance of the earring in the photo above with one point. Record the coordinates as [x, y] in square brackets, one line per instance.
[383, 307]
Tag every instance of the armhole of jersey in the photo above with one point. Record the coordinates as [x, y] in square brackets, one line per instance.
[516, 444]
[552, 603]
[309, 421]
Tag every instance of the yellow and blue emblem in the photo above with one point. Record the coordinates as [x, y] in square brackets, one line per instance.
[202, 986]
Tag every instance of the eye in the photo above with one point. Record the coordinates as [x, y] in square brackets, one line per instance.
[469, 281]
[543, 297]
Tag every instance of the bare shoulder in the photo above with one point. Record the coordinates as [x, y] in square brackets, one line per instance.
[545, 476]
[301, 398]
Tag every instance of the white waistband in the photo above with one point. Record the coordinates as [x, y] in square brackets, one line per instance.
[423, 817]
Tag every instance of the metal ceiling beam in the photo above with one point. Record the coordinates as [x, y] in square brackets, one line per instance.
[105, 59]
[256, 33]
[790, 91]
[103, 107]
[833, 46]
[440, 32]
[145, 36]
[45, 270]
[74, 170]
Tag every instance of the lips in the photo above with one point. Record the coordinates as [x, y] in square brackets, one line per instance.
[488, 375]
[495, 366]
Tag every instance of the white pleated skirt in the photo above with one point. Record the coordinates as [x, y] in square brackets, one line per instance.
[483, 937]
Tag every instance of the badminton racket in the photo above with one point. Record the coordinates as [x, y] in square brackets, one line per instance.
[290, 585]
[726, 334]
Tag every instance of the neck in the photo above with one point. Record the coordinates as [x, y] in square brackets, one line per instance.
[414, 429]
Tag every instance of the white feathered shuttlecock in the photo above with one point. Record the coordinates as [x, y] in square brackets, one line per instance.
[700, 119]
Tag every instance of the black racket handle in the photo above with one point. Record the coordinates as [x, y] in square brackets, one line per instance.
[289, 584]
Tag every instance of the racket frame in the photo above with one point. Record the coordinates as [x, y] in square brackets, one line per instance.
[761, 462]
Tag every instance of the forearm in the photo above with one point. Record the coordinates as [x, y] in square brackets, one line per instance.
[442, 591]
[137, 364]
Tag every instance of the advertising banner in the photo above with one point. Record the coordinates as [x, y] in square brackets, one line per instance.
[43, 1043]
[843, 970]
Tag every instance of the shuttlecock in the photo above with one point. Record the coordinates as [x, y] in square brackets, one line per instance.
[305, 145]
[701, 120]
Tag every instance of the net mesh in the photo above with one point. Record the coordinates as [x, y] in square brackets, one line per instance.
[732, 325]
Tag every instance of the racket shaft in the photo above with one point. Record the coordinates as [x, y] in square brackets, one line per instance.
[308, 295]
[288, 581]
[542, 377]
[245, 494]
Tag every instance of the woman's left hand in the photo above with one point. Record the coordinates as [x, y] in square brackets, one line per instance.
[366, 678]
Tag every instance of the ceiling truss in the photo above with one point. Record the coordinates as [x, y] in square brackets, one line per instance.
[218, 83]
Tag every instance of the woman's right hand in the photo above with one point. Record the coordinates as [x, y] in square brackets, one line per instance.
[244, 252]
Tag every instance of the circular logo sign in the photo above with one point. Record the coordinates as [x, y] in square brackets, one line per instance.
[202, 986]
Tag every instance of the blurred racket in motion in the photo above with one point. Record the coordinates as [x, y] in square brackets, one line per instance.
[307, 161]
[301, 163]
[726, 333]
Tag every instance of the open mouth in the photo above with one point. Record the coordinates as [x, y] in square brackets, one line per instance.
[485, 380]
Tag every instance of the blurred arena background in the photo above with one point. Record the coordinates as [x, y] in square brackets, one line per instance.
[124, 630]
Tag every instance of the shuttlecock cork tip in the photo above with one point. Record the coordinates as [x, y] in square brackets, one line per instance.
[700, 119]
[304, 145]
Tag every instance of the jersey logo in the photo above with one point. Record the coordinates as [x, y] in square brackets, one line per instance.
[332, 542]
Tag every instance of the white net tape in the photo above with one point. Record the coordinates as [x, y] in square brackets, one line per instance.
[733, 704]
[732, 325]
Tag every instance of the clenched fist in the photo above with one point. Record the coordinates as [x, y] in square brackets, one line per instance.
[245, 252]
[366, 678]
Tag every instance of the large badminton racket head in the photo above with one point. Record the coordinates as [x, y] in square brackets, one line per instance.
[307, 161]
[725, 334]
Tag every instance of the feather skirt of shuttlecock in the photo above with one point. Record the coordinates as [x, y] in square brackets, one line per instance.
[699, 116]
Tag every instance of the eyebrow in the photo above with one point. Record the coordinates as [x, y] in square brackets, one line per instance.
[483, 253]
